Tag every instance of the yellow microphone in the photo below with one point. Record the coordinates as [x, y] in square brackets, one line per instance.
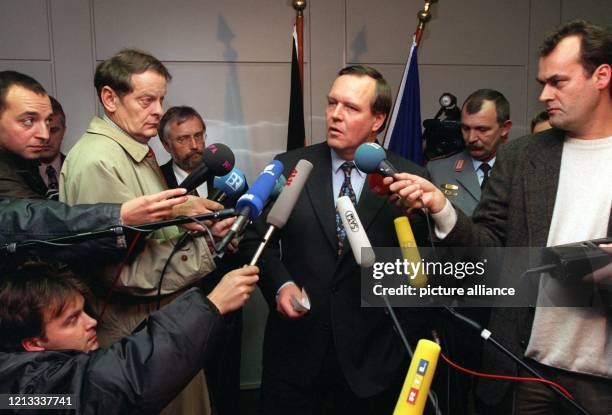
[413, 397]
[410, 252]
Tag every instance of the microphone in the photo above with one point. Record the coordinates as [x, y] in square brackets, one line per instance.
[408, 246]
[371, 158]
[420, 374]
[571, 262]
[280, 212]
[250, 204]
[358, 239]
[217, 160]
[229, 186]
[375, 182]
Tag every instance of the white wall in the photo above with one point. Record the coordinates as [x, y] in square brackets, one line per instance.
[230, 59]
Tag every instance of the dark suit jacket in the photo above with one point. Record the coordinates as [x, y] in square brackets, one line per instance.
[516, 211]
[19, 178]
[370, 354]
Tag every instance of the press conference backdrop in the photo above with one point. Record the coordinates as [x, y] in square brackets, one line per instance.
[231, 61]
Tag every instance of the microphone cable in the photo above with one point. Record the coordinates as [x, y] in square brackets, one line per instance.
[183, 239]
[486, 335]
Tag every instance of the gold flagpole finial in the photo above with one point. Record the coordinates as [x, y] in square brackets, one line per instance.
[424, 16]
[299, 6]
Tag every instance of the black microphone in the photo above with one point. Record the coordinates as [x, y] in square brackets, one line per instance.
[280, 212]
[371, 158]
[217, 160]
[571, 262]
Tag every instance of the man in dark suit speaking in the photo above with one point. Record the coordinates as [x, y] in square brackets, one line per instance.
[336, 357]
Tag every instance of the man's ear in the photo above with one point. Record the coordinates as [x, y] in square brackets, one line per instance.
[603, 75]
[109, 99]
[32, 344]
[379, 120]
[506, 129]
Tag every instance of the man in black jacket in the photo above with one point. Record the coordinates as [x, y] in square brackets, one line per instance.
[42, 312]
[23, 219]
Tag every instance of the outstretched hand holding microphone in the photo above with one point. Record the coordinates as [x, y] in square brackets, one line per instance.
[409, 190]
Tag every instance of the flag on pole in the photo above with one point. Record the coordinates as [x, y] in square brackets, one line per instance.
[296, 134]
[404, 135]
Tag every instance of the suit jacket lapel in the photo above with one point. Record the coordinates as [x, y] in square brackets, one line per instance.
[541, 181]
[467, 177]
[319, 190]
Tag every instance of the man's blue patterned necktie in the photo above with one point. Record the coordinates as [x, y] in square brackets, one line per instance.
[345, 190]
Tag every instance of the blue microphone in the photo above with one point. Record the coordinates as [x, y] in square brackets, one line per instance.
[371, 158]
[250, 204]
[229, 186]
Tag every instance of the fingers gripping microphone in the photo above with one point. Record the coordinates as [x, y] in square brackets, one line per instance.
[250, 204]
[358, 239]
[418, 379]
[375, 182]
[217, 160]
[410, 252]
[280, 212]
[371, 158]
[229, 186]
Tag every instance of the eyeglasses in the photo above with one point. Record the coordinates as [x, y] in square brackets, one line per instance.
[186, 139]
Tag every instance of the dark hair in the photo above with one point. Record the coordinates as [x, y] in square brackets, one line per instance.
[381, 104]
[595, 43]
[27, 295]
[10, 78]
[58, 110]
[180, 115]
[474, 103]
[540, 117]
[116, 71]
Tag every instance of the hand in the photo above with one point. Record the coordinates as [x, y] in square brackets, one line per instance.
[283, 301]
[196, 206]
[220, 229]
[234, 289]
[412, 191]
[151, 208]
[604, 274]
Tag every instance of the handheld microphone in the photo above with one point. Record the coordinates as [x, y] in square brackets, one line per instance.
[229, 186]
[375, 182]
[280, 212]
[217, 160]
[355, 233]
[410, 252]
[371, 158]
[250, 204]
[571, 262]
[413, 397]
